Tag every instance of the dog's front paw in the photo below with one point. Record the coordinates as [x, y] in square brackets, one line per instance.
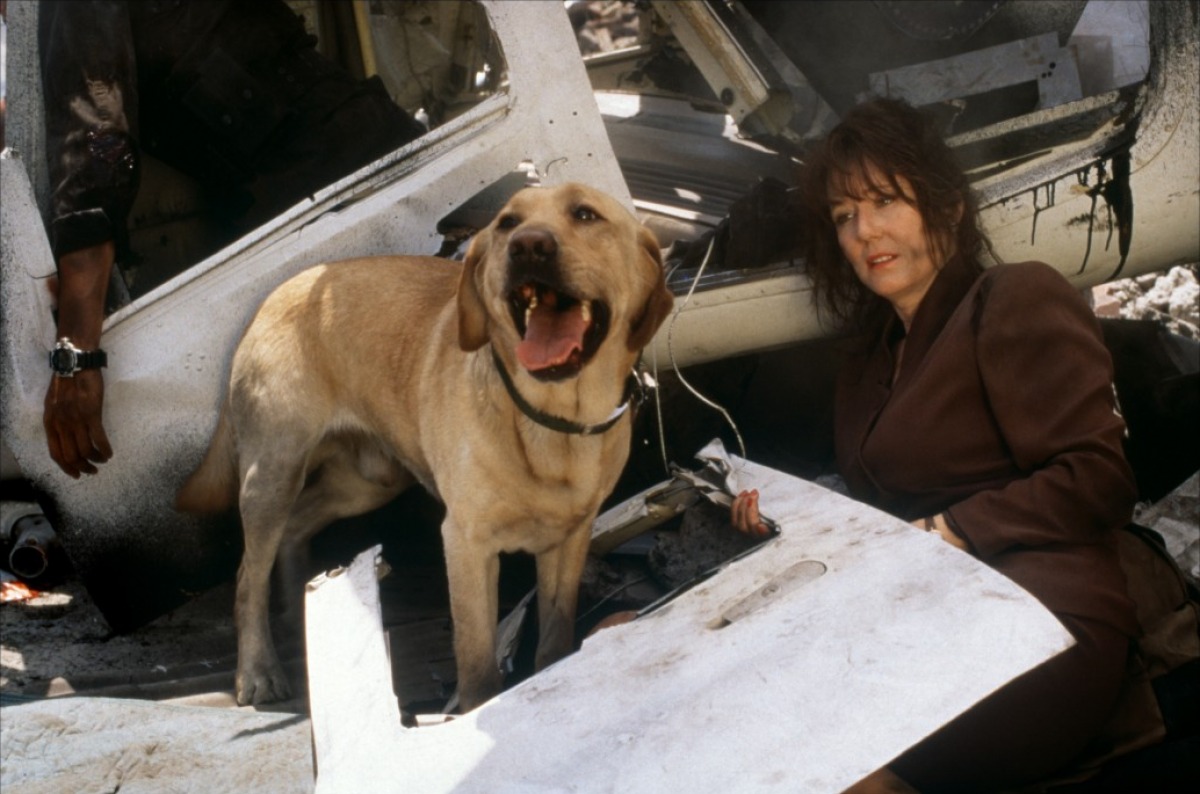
[262, 685]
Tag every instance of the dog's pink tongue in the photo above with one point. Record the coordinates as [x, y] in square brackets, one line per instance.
[551, 337]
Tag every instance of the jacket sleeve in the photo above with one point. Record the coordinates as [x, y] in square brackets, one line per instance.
[1048, 379]
[89, 84]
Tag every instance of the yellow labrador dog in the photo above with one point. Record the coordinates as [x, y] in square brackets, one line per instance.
[500, 384]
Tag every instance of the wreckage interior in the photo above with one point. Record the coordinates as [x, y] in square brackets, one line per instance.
[686, 160]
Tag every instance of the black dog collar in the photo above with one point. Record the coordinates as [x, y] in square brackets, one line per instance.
[557, 423]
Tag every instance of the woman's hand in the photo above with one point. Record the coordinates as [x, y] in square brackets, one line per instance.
[885, 781]
[940, 527]
[744, 515]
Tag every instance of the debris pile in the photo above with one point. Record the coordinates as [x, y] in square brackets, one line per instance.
[1174, 517]
[1171, 298]
[605, 25]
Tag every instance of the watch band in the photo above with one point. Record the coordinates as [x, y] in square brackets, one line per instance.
[66, 359]
[91, 359]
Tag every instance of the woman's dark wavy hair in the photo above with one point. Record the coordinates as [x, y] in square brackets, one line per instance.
[898, 141]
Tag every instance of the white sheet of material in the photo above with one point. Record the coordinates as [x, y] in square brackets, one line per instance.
[803, 666]
[347, 659]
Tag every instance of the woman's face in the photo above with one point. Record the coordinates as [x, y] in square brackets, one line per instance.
[883, 238]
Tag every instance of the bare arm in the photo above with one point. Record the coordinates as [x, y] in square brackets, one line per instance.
[73, 407]
[88, 71]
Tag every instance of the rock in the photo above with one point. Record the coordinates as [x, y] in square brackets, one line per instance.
[1171, 298]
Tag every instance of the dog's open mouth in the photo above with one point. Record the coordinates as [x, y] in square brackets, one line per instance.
[559, 332]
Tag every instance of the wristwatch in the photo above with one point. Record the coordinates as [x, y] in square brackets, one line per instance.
[66, 359]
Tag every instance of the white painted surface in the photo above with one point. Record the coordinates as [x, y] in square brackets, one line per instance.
[345, 604]
[813, 684]
[1125, 25]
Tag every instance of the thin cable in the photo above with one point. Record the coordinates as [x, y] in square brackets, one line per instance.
[675, 367]
[611, 595]
[662, 440]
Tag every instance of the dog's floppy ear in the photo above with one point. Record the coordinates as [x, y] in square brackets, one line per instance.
[472, 313]
[659, 304]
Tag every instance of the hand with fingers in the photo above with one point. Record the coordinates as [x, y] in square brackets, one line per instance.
[72, 410]
[72, 420]
[745, 517]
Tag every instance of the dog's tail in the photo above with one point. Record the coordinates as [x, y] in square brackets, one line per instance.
[213, 486]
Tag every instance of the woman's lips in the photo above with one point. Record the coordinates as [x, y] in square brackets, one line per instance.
[879, 260]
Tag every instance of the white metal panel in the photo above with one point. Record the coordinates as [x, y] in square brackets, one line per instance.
[1036, 59]
[769, 675]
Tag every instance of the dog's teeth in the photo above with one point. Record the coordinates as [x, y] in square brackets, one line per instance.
[533, 302]
[586, 310]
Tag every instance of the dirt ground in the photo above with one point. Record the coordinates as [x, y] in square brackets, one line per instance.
[57, 642]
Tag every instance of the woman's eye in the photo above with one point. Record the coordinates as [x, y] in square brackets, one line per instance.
[585, 214]
[841, 217]
[883, 201]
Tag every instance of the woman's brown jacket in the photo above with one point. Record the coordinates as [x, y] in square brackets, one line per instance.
[1003, 417]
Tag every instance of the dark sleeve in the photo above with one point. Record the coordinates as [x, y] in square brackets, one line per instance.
[89, 84]
[1048, 379]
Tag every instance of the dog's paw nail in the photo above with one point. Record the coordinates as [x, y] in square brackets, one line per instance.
[259, 689]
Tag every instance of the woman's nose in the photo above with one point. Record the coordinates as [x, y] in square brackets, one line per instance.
[866, 224]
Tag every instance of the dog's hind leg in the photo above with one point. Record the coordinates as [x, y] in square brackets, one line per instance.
[285, 500]
[275, 462]
[348, 480]
[558, 572]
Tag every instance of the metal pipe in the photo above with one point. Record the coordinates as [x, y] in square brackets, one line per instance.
[33, 539]
[30, 539]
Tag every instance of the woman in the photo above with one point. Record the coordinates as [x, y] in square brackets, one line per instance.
[980, 407]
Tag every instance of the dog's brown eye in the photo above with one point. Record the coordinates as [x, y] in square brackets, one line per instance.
[585, 214]
[507, 222]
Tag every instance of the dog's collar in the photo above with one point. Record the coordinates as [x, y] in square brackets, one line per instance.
[633, 388]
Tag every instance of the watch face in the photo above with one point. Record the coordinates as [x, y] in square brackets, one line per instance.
[63, 360]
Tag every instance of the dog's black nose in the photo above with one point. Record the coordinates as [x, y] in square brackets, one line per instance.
[532, 247]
